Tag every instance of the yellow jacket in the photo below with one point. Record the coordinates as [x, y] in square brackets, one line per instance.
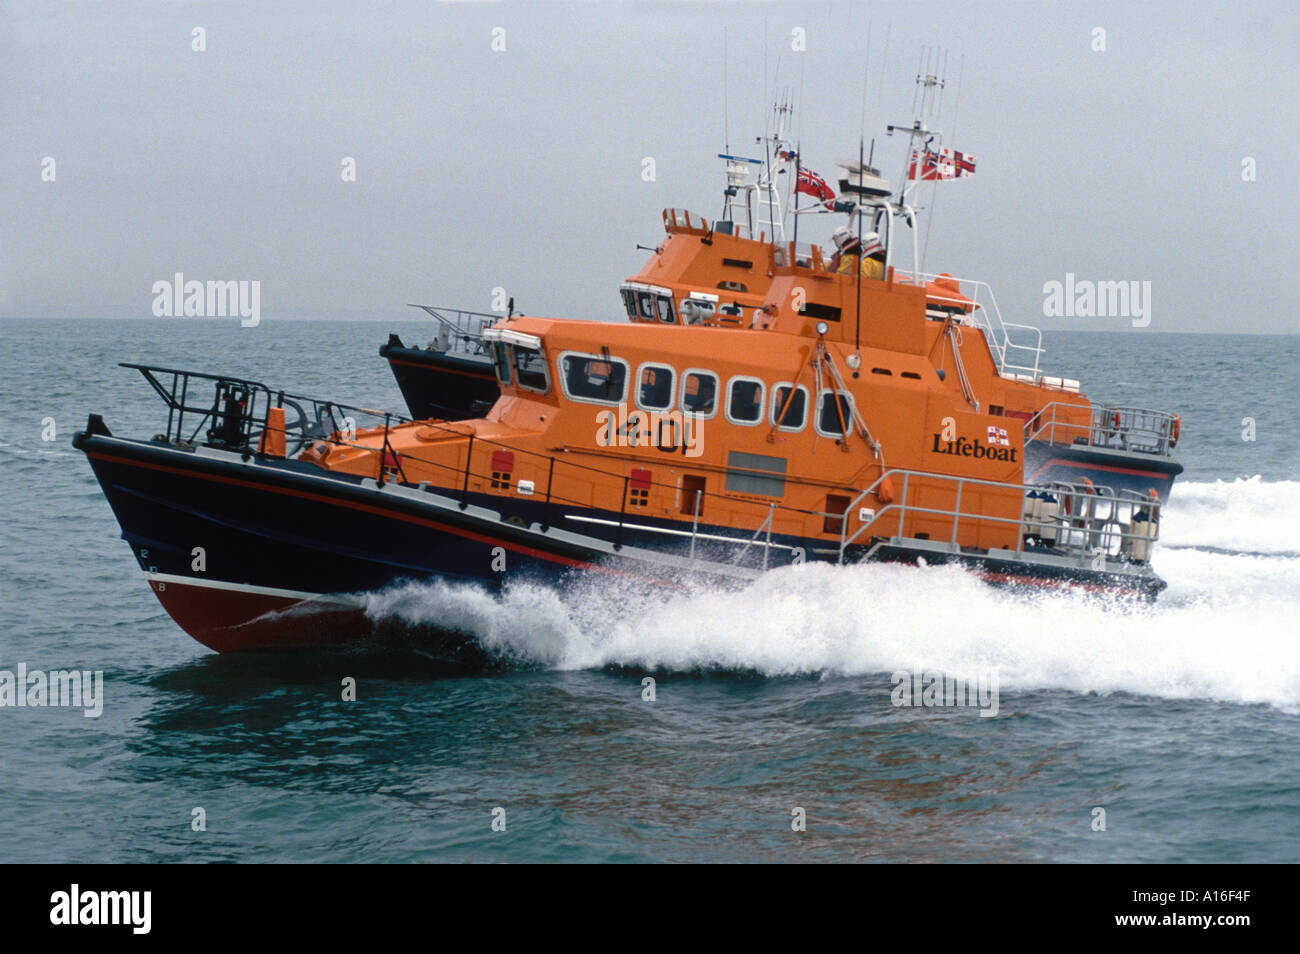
[870, 267]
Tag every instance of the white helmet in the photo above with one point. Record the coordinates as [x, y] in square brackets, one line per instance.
[841, 235]
[871, 244]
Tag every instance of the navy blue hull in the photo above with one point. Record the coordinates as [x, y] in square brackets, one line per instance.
[1139, 473]
[261, 553]
[277, 534]
[436, 384]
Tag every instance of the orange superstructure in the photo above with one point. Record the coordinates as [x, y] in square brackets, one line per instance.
[776, 428]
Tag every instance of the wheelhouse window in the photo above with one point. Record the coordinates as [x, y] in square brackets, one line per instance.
[700, 393]
[501, 362]
[629, 303]
[646, 304]
[655, 388]
[834, 413]
[789, 407]
[595, 378]
[665, 307]
[745, 401]
[530, 369]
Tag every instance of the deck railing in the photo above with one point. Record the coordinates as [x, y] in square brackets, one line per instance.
[460, 331]
[1137, 429]
[1071, 519]
[1017, 349]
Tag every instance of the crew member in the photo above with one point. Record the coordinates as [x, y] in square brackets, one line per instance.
[840, 236]
[869, 252]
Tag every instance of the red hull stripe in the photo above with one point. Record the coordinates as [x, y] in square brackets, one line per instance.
[442, 369]
[995, 577]
[1106, 467]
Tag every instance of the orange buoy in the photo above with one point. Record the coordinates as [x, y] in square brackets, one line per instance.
[272, 441]
[885, 491]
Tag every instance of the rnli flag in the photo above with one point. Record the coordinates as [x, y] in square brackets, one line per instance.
[810, 183]
[944, 164]
[998, 435]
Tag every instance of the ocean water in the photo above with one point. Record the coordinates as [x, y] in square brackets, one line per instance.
[1181, 720]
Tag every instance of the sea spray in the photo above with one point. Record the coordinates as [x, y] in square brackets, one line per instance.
[1226, 644]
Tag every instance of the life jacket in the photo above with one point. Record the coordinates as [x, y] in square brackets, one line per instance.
[870, 267]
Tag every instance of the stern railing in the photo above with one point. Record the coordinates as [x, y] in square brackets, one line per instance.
[460, 331]
[1138, 429]
[1069, 519]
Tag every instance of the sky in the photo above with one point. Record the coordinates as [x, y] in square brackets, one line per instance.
[1171, 156]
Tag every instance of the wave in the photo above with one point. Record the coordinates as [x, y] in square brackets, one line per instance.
[1224, 630]
[1244, 515]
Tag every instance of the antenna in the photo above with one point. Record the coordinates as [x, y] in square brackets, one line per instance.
[798, 165]
[857, 328]
[884, 65]
[726, 124]
[927, 84]
[866, 68]
[934, 191]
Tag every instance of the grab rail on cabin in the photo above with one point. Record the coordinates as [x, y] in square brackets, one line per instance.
[1017, 349]
[460, 331]
[1071, 519]
[1116, 427]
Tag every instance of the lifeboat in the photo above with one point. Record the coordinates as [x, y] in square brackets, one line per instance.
[669, 456]
[842, 419]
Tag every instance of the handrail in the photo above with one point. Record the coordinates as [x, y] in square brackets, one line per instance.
[1075, 527]
[1119, 427]
[988, 318]
[465, 328]
[234, 423]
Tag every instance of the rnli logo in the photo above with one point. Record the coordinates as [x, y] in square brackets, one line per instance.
[961, 447]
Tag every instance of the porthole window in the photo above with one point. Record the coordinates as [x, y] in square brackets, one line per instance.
[655, 387]
[789, 407]
[745, 401]
[597, 379]
[700, 393]
[833, 422]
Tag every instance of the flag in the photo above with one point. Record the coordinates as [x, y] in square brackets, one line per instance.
[789, 155]
[810, 183]
[998, 435]
[944, 164]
